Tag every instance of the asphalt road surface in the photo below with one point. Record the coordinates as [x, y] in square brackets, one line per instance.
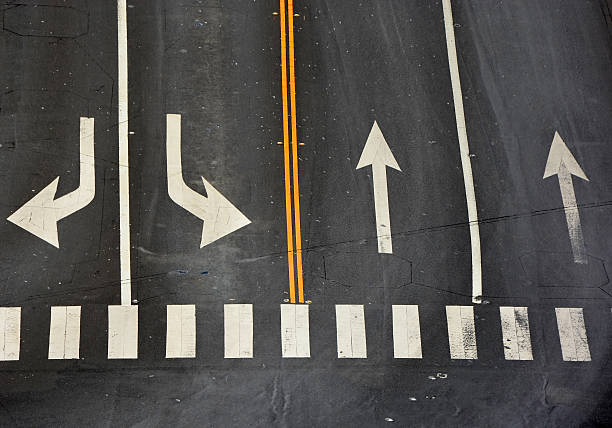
[534, 86]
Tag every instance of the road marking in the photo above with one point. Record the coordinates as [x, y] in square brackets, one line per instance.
[10, 333]
[464, 148]
[238, 322]
[461, 332]
[40, 215]
[295, 334]
[406, 332]
[350, 331]
[124, 169]
[562, 163]
[377, 153]
[294, 154]
[515, 333]
[572, 334]
[180, 331]
[65, 333]
[122, 332]
[219, 215]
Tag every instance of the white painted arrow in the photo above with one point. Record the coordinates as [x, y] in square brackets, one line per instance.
[220, 216]
[40, 214]
[377, 153]
[562, 163]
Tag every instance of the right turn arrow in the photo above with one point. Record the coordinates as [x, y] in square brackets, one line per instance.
[562, 163]
[378, 154]
[220, 216]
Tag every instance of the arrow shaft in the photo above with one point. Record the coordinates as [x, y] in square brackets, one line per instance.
[381, 208]
[572, 216]
[86, 191]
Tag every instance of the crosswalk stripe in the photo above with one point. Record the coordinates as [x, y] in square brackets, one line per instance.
[572, 334]
[10, 333]
[461, 332]
[515, 333]
[238, 327]
[64, 332]
[350, 331]
[406, 332]
[122, 332]
[295, 334]
[180, 331]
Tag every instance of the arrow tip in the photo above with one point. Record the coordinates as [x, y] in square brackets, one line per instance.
[376, 150]
[560, 155]
[37, 216]
[225, 218]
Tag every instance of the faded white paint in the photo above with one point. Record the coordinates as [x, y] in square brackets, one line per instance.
[10, 333]
[376, 152]
[295, 331]
[238, 326]
[124, 168]
[406, 332]
[515, 333]
[464, 148]
[64, 332]
[350, 331]
[40, 214]
[562, 163]
[219, 215]
[572, 334]
[180, 331]
[122, 332]
[461, 332]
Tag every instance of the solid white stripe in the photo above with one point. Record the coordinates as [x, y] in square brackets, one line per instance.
[238, 330]
[10, 333]
[572, 334]
[515, 333]
[464, 149]
[350, 331]
[180, 331]
[122, 332]
[406, 332]
[295, 335]
[124, 171]
[64, 332]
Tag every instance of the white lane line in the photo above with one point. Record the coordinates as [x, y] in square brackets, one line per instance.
[65, 332]
[461, 332]
[464, 148]
[124, 171]
[180, 331]
[295, 331]
[350, 331]
[572, 334]
[122, 332]
[238, 326]
[515, 333]
[406, 332]
[10, 333]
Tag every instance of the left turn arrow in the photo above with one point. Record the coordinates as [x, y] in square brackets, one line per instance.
[40, 214]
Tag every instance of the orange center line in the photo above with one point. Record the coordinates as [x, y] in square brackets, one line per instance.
[288, 213]
[294, 145]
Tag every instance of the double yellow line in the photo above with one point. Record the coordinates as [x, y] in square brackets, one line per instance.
[291, 165]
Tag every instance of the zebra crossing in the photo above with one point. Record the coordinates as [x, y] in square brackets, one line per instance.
[351, 341]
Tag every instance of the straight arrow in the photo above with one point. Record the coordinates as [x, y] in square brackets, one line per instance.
[562, 163]
[219, 215]
[40, 215]
[376, 152]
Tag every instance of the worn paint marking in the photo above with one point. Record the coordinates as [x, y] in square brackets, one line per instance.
[572, 334]
[10, 333]
[515, 333]
[461, 332]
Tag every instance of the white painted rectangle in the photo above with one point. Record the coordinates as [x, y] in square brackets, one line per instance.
[350, 331]
[461, 332]
[180, 331]
[572, 334]
[238, 323]
[122, 332]
[10, 333]
[295, 331]
[406, 332]
[515, 333]
[65, 333]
